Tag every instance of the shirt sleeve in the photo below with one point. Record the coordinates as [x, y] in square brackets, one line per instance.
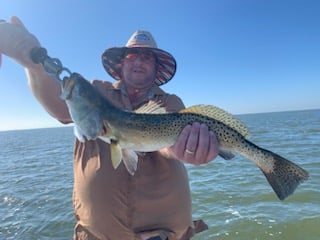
[174, 103]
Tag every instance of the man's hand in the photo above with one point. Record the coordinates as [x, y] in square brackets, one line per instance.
[196, 145]
[16, 41]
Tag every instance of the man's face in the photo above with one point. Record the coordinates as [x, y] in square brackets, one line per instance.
[138, 68]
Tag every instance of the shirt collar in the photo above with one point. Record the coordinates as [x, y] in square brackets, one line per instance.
[153, 91]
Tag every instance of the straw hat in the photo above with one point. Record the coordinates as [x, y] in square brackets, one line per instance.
[112, 57]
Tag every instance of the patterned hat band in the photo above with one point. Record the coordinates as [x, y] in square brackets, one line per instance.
[111, 58]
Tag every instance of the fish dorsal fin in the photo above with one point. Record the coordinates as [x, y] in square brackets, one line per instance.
[220, 115]
[151, 107]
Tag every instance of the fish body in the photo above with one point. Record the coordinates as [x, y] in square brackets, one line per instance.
[131, 132]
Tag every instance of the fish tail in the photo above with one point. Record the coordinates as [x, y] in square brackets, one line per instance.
[285, 176]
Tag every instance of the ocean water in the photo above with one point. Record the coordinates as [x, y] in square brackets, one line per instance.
[233, 197]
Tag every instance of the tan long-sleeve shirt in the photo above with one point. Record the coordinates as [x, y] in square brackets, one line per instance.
[112, 204]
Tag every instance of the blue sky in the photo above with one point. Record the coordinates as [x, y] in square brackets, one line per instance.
[245, 56]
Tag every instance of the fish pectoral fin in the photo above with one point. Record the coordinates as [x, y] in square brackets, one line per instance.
[116, 154]
[130, 160]
[226, 154]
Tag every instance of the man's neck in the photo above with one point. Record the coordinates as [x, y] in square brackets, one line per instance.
[138, 93]
[136, 98]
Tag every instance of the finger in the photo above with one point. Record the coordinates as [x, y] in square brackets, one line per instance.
[193, 138]
[213, 147]
[15, 20]
[180, 145]
[203, 144]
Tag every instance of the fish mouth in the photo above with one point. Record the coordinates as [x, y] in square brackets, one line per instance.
[67, 88]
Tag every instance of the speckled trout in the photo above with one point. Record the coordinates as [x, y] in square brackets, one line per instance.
[150, 129]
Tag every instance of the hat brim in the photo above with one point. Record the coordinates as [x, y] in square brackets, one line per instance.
[166, 64]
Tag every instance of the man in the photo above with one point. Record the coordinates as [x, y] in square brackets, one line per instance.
[155, 203]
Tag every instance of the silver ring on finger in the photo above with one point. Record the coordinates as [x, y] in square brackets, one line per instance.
[189, 151]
